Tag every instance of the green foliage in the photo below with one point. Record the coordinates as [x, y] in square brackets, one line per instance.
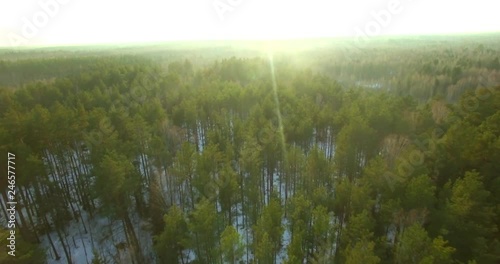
[359, 227]
[269, 230]
[357, 173]
[232, 248]
[116, 179]
[264, 252]
[174, 238]
[203, 226]
[419, 193]
[471, 219]
[415, 246]
[25, 252]
[361, 252]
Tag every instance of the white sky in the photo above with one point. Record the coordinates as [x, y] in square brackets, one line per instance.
[113, 21]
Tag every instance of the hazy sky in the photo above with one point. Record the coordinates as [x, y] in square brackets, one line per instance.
[55, 22]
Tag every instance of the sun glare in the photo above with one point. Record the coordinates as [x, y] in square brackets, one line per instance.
[53, 22]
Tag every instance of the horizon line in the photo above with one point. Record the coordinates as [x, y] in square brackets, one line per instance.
[194, 40]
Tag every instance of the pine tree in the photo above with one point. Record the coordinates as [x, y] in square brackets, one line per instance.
[174, 238]
[231, 246]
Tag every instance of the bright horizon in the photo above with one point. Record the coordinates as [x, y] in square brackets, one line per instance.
[77, 22]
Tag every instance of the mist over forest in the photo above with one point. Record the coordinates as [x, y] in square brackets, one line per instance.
[325, 150]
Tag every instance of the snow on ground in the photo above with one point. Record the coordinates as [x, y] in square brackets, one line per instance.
[99, 233]
[104, 235]
[81, 244]
[286, 239]
[145, 238]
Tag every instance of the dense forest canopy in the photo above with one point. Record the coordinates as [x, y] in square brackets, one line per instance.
[334, 154]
